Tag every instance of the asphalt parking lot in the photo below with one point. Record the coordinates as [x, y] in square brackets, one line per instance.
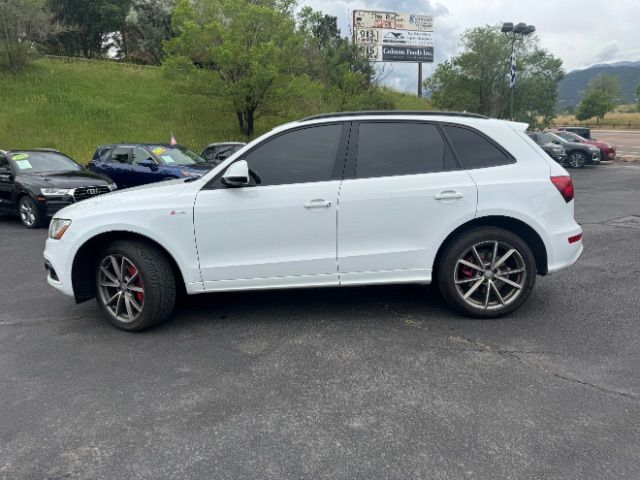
[375, 382]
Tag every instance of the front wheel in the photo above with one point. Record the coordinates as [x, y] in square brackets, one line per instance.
[135, 285]
[577, 159]
[29, 212]
[487, 272]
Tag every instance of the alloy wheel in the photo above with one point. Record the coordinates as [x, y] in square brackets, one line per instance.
[576, 160]
[27, 213]
[121, 288]
[490, 275]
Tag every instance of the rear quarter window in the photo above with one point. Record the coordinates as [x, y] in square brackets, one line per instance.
[474, 150]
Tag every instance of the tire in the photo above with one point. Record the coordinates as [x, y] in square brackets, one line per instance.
[146, 298]
[576, 159]
[29, 212]
[456, 279]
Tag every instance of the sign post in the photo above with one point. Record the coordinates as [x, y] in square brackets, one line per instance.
[394, 37]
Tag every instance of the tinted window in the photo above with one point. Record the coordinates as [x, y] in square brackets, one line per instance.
[545, 138]
[120, 155]
[30, 162]
[4, 163]
[393, 148]
[141, 155]
[474, 150]
[305, 155]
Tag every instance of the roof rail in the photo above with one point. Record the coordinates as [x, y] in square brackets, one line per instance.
[393, 112]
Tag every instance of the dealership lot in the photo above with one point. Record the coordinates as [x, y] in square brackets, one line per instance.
[375, 382]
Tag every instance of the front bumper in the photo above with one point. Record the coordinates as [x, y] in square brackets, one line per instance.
[56, 255]
[595, 158]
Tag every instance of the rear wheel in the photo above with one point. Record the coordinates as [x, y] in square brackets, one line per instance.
[577, 159]
[29, 212]
[135, 285]
[487, 272]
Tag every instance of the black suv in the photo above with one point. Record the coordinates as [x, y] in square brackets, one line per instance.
[35, 184]
[578, 154]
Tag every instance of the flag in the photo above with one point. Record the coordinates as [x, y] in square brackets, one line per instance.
[512, 76]
[173, 139]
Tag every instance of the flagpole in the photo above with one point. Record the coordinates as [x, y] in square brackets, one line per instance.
[513, 75]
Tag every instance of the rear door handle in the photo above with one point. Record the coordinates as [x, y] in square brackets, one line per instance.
[317, 203]
[448, 195]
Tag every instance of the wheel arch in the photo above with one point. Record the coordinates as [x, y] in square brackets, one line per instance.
[85, 261]
[518, 227]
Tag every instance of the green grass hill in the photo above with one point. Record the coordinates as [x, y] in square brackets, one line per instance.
[76, 105]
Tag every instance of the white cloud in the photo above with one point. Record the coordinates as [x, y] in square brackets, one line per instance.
[580, 32]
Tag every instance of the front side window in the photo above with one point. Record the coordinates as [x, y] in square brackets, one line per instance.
[300, 156]
[474, 150]
[140, 155]
[398, 148]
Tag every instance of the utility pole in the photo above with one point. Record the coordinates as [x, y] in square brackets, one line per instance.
[419, 80]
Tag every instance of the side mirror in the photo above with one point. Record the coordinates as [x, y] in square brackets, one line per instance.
[6, 175]
[149, 163]
[237, 175]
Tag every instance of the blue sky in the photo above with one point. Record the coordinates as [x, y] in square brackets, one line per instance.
[581, 33]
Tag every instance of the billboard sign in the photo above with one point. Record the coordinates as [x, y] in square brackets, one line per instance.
[384, 53]
[394, 37]
[392, 20]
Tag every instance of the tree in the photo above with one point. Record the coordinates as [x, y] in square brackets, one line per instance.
[638, 95]
[252, 46]
[148, 26]
[599, 98]
[91, 26]
[22, 24]
[477, 79]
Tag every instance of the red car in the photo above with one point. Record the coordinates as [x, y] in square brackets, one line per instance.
[607, 151]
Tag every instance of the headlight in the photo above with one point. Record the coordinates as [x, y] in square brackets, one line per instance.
[54, 192]
[57, 227]
[112, 186]
[594, 149]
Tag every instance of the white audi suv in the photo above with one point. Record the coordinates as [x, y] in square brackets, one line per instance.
[353, 198]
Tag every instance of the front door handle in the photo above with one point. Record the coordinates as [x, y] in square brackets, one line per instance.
[448, 195]
[317, 203]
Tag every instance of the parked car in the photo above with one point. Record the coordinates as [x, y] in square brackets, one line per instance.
[216, 153]
[133, 164]
[607, 150]
[35, 184]
[555, 151]
[459, 199]
[584, 132]
[578, 154]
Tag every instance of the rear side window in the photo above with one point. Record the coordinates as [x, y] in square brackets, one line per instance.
[120, 155]
[474, 150]
[398, 148]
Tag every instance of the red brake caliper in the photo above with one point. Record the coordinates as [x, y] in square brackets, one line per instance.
[139, 295]
[467, 271]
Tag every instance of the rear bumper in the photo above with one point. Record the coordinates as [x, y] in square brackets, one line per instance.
[561, 252]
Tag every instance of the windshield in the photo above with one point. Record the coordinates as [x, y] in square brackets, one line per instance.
[32, 162]
[176, 155]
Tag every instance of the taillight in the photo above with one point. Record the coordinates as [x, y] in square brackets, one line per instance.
[564, 186]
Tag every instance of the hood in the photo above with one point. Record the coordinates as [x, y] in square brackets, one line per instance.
[71, 179]
[136, 196]
[195, 168]
[595, 143]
